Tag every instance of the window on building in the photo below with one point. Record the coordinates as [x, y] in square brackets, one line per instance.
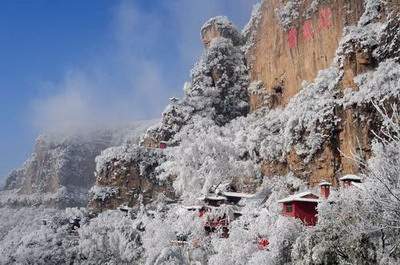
[289, 208]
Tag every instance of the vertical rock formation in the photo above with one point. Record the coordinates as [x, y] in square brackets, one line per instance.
[218, 86]
[294, 40]
[61, 169]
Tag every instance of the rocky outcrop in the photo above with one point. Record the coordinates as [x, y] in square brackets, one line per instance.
[61, 168]
[218, 86]
[125, 175]
[57, 163]
[220, 27]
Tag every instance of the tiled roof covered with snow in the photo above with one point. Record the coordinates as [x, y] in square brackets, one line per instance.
[237, 194]
[301, 197]
[350, 177]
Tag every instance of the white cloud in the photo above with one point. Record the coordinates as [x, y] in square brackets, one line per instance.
[136, 75]
[69, 109]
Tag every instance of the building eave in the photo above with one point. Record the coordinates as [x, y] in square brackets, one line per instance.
[350, 177]
[237, 194]
[300, 198]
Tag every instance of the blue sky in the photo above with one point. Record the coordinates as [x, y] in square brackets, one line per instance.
[67, 65]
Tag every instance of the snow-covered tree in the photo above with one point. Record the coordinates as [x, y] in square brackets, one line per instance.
[111, 238]
[205, 157]
[261, 219]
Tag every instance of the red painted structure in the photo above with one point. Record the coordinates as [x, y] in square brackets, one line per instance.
[302, 206]
[308, 31]
[263, 243]
[217, 224]
[325, 188]
[202, 212]
[292, 38]
[325, 18]
[348, 180]
[220, 222]
[213, 223]
[163, 145]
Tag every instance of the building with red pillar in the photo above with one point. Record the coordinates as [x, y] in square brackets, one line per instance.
[303, 205]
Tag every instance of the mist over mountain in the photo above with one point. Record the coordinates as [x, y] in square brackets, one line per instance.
[95, 64]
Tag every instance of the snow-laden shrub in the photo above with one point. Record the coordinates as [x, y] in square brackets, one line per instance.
[121, 162]
[167, 231]
[310, 114]
[341, 235]
[36, 236]
[372, 11]
[116, 156]
[61, 198]
[360, 38]
[102, 193]
[205, 157]
[386, 77]
[313, 7]
[209, 154]
[288, 13]
[304, 124]
[250, 29]
[110, 238]
[389, 42]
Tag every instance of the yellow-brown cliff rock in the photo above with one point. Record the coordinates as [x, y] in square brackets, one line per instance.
[283, 56]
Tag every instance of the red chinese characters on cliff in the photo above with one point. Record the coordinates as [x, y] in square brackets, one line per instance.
[292, 38]
[325, 18]
[308, 31]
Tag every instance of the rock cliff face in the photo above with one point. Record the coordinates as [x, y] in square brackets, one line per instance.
[125, 175]
[65, 165]
[296, 39]
[293, 41]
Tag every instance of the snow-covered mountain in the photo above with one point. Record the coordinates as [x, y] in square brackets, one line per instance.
[271, 101]
[308, 91]
[61, 168]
